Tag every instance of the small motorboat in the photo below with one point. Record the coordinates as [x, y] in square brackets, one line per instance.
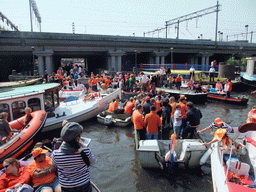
[238, 171]
[241, 100]
[188, 153]
[119, 120]
[23, 135]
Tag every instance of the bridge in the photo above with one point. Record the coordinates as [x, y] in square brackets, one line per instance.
[114, 53]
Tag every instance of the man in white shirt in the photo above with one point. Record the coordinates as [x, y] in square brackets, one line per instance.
[211, 72]
[143, 82]
[192, 71]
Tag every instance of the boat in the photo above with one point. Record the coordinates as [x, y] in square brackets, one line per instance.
[110, 118]
[46, 97]
[65, 93]
[188, 153]
[21, 83]
[23, 135]
[191, 95]
[241, 100]
[249, 77]
[243, 167]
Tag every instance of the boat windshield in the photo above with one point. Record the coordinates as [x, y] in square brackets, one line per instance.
[51, 99]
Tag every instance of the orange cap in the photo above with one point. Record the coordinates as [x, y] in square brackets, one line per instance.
[218, 121]
[38, 151]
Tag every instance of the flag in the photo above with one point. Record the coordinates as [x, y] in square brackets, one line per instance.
[170, 157]
[192, 82]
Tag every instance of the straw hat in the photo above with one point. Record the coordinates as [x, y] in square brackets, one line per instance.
[219, 134]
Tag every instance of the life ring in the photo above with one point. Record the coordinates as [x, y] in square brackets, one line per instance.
[252, 116]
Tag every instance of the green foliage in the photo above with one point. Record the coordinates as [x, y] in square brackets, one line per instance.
[232, 61]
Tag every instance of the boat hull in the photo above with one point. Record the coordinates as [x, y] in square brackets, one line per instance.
[232, 100]
[119, 120]
[191, 96]
[19, 143]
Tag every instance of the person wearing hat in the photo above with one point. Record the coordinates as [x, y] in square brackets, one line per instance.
[217, 124]
[43, 172]
[73, 160]
[146, 106]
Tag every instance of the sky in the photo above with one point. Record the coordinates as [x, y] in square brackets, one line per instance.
[136, 17]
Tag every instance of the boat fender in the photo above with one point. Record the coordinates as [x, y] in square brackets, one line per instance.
[205, 156]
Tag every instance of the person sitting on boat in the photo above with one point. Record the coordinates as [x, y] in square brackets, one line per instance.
[218, 86]
[42, 172]
[15, 178]
[5, 130]
[193, 121]
[28, 116]
[198, 88]
[139, 125]
[228, 88]
[217, 124]
[153, 122]
[129, 106]
[112, 106]
[252, 116]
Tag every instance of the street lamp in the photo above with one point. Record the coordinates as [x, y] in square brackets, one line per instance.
[33, 49]
[172, 55]
[246, 26]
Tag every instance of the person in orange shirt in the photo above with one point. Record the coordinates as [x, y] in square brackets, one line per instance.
[178, 82]
[15, 176]
[173, 105]
[104, 85]
[170, 81]
[153, 122]
[139, 125]
[129, 106]
[42, 172]
[183, 105]
[111, 107]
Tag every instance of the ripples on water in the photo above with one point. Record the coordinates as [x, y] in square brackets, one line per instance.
[118, 167]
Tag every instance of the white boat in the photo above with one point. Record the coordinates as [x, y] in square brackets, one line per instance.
[249, 77]
[188, 153]
[46, 97]
[243, 166]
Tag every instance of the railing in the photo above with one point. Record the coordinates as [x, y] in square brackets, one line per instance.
[175, 66]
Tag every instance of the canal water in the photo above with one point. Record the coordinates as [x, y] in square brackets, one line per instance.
[118, 168]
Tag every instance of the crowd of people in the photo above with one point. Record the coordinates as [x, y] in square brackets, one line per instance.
[66, 169]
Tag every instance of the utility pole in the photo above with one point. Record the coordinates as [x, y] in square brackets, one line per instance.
[251, 36]
[246, 26]
[216, 30]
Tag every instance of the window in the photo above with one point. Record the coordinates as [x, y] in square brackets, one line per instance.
[254, 70]
[5, 108]
[34, 104]
[56, 98]
[48, 101]
[18, 109]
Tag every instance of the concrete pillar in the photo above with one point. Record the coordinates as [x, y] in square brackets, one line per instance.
[207, 62]
[119, 63]
[203, 63]
[157, 60]
[40, 65]
[49, 65]
[162, 59]
[113, 59]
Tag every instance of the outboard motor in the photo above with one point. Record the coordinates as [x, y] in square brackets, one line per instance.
[108, 120]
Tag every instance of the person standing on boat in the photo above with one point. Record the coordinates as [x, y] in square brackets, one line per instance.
[143, 82]
[173, 105]
[170, 81]
[153, 122]
[192, 72]
[42, 172]
[211, 72]
[146, 106]
[5, 130]
[193, 121]
[162, 75]
[177, 123]
[183, 105]
[139, 125]
[178, 82]
[131, 83]
[217, 124]
[73, 160]
[228, 88]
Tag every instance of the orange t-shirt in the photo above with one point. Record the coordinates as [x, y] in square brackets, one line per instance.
[230, 86]
[113, 106]
[58, 76]
[94, 81]
[104, 86]
[153, 121]
[107, 81]
[9, 181]
[183, 109]
[129, 106]
[173, 109]
[137, 120]
[44, 179]
[158, 105]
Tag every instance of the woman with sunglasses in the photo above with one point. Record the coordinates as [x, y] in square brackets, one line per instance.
[14, 177]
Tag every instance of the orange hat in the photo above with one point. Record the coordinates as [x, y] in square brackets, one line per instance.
[219, 134]
[147, 98]
[218, 121]
[183, 97]
[131, 75]
[38, 151]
